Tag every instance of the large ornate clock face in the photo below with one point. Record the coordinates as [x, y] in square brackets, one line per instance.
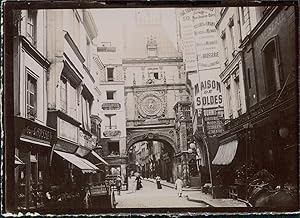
[150, 105]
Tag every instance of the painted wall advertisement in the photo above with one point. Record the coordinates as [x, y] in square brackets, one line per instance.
[198, 31]
[199, 39]
[188, 40]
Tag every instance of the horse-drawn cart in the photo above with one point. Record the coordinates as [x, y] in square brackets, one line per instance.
[101, 196]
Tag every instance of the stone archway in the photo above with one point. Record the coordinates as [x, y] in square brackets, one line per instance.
[166, 137]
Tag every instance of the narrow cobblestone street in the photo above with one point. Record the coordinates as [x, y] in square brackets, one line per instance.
[151, 197]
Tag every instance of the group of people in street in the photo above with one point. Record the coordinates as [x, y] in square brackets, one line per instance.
[138, 184]
[178, 185]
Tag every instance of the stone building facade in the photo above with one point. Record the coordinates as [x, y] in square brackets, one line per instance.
[155, 81]
[112, 109]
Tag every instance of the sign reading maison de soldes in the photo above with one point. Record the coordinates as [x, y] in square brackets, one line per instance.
[202, 45]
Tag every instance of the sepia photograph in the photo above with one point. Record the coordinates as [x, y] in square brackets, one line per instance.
[115, 108]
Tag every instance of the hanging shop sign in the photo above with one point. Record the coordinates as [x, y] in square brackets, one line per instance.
[209, 94]
[111, 133]
[111, 106]
[32, 130]
[214, 125]
[86, 140]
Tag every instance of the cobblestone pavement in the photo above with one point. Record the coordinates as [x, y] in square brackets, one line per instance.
[151, 197]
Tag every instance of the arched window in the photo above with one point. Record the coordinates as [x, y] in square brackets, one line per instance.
[271, 62]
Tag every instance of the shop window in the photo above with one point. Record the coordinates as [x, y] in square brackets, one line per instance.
[31, 26]
[271, 66]
[110, 74]
[114, 148]
[110, 95]
[63, 94]
[31, 97]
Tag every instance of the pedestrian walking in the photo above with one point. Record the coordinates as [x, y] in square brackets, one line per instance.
[158, 179]
[119, 184]
[178, 186]
[138, 182]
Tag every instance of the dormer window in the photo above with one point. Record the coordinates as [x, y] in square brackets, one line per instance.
[152, 47]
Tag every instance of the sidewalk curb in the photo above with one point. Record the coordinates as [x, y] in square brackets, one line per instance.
[199, 201]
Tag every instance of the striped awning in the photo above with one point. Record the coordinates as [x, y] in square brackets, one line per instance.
[226, 153]
[84, 165]
[99, 158]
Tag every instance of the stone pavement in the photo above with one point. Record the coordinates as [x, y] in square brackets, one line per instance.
[151, 197]
[195, 195]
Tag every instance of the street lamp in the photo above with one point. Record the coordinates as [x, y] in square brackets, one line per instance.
[191, 150]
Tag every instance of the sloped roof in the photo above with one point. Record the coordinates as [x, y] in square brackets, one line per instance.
[137, 42]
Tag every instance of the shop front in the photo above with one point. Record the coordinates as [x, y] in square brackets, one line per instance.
[34, 143]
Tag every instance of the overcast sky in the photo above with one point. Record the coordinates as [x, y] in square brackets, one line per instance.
[113, 24]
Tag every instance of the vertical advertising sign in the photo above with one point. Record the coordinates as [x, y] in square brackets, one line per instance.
[210, 95]
[206, 82]
[188, 40]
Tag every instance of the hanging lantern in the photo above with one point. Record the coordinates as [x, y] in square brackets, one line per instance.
[283, 132]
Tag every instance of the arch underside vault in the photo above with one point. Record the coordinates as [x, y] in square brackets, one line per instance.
[165, 135]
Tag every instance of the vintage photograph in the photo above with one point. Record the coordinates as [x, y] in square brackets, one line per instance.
[172, 108]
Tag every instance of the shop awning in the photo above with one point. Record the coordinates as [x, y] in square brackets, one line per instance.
[35, 142]
[226, 153]
[99, 158]
[18, 161]
[84, 165]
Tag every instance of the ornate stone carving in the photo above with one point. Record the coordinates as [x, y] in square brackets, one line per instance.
[112, 133]
[151, 104]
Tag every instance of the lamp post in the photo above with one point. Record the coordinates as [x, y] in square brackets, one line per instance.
[191, 150]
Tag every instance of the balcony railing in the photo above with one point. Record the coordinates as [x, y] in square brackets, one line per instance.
[113, 127]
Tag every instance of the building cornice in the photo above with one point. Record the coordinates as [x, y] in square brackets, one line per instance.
[34, 53]
[221, 18]
[112, 83]
[260, 26]
[72, 72]
[74, 47]
[151, 60]
[89, 24]
[158, 86]
[231, 66]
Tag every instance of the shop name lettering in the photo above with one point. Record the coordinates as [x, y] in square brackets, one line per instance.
[207, 87]
[277, 22]
[197, 11]
[38, 133]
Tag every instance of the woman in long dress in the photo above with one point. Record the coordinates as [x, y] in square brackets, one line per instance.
[178, 186]
[158, 182]
[138, 183]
